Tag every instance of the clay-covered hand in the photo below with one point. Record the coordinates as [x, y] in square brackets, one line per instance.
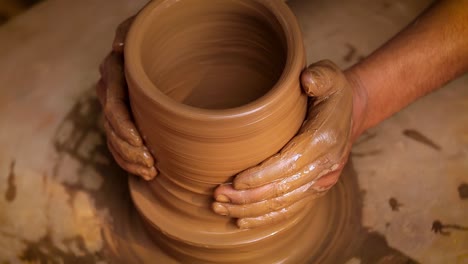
[123, 139]
[307, 166]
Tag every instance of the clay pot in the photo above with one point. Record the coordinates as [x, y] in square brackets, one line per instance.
[214, 89]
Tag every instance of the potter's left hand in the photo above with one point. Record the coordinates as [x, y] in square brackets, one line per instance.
[123, 139]
[307, 166]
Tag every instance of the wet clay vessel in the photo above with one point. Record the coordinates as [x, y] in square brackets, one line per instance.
[214, 89]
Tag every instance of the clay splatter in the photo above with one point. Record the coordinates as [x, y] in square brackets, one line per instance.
[417, 136]
[44, 251]
[463, 191]
[72, 140]
[439, 228]
[394, 204]
[10, 193]
[351, 53]
[365, 154]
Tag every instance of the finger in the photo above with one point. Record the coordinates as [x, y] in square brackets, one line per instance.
[116, 109]
[325, 149]
[266, 206]
[122, 124]
[273, 217]
[138, 155]
[228, 194]
[145, 173]
[268, 171]
[328, 181]
[287, 162]
[322, 79]
[121, 34]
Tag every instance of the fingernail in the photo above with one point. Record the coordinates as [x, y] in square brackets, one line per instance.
[146, 177]
[220, 209]
[148, 174]
[243, 224]
[154, 171]
[223, 198]
[147, 159]
[307, 80]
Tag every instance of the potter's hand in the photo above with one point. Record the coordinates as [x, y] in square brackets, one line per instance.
[123, 138]
[306, 167]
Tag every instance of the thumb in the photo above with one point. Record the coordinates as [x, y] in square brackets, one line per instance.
[322, 79]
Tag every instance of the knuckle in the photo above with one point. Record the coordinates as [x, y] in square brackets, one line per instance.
[242, 211]
[127, 154]
[243, 199]
[147, 158]
[281, 188]
[275, 204]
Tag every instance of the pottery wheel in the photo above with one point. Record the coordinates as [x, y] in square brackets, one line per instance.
[326, 232]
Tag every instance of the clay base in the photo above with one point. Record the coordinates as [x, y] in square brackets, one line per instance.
[325, 235]
[211, 238]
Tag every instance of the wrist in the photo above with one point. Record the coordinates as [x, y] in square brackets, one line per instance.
[360, 103]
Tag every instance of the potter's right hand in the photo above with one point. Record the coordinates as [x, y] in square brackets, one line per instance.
[123, 139]
[309, 165]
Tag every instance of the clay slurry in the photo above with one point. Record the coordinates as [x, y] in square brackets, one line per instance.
[214, 57]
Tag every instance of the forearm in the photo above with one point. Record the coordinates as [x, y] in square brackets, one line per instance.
[427, 54]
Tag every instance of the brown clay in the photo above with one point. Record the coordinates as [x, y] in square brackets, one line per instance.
[213, 94]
